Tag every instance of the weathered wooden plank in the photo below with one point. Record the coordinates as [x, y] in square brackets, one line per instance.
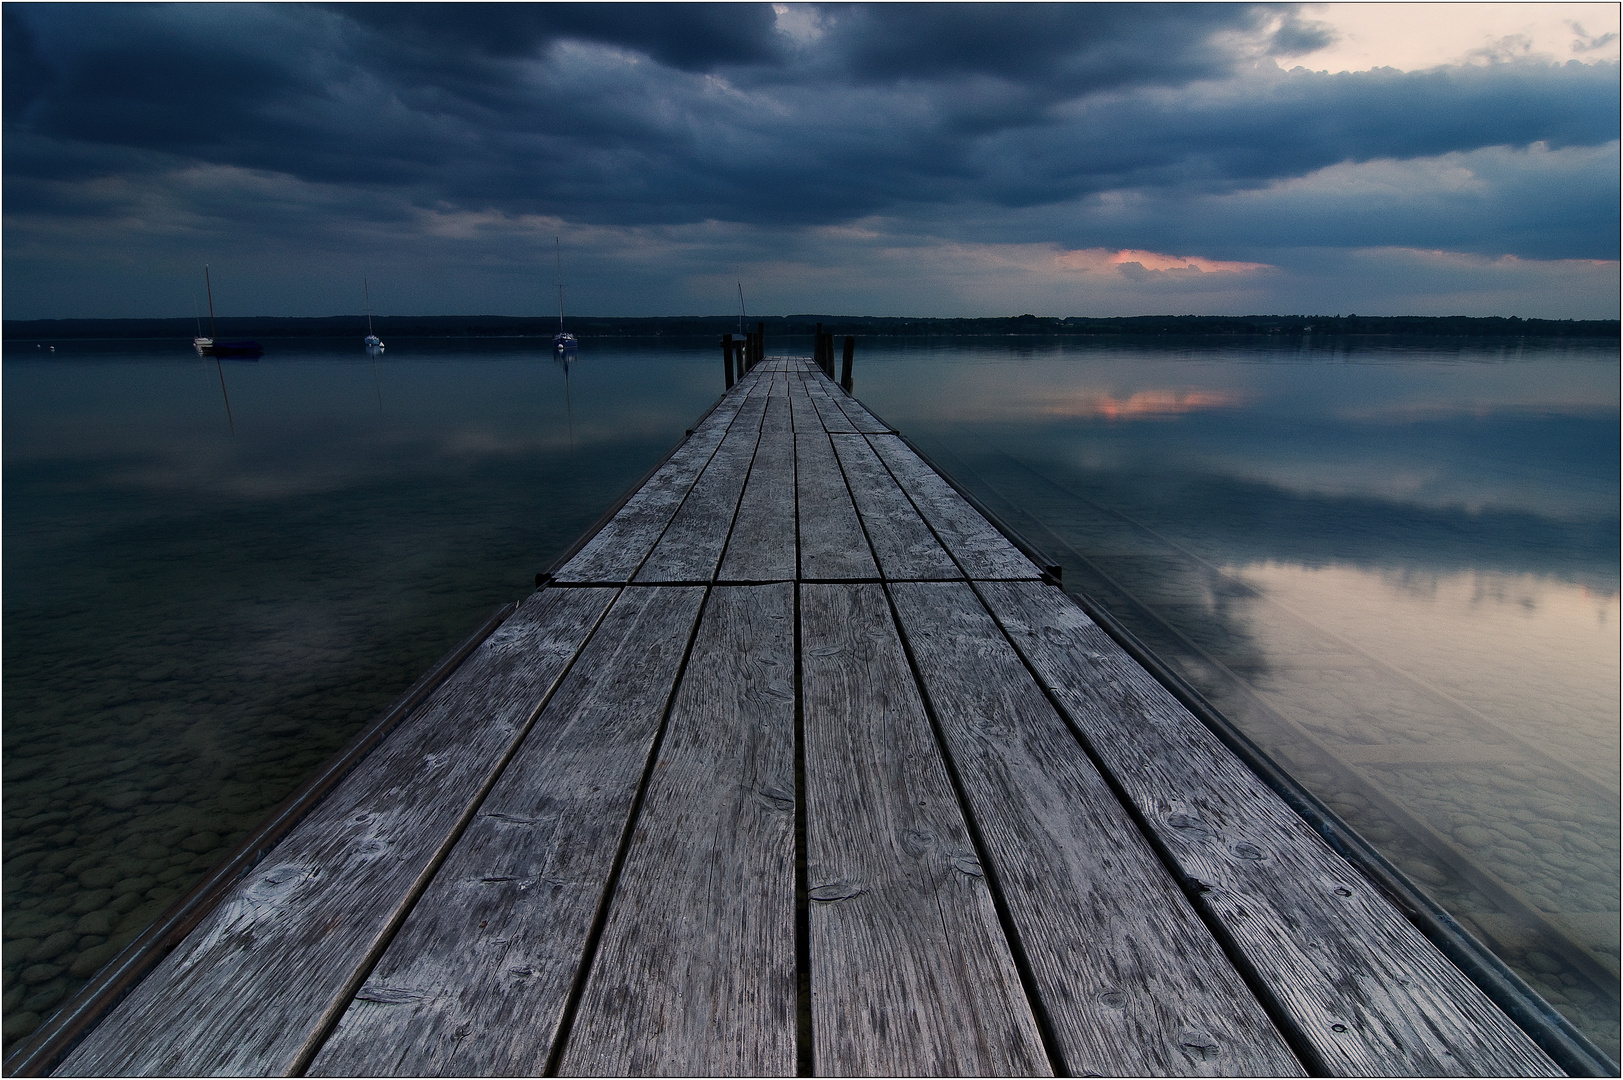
[762, 546]
[832, 545]
[1363, 989]
[901, 541]
[910, 972]
[695, 973]
[856, 414]
[475, 982]
[251, 988]
[979, 548]
[805, 416]
[1131, 979]
[834, 421]
[692, 544]
[620, 547]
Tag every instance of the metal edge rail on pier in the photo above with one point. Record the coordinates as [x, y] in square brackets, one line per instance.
[1553, 1032]
[45, 1049]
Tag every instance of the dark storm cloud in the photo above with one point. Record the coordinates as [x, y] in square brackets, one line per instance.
[342, 127]
[688, 37]
[886, 106]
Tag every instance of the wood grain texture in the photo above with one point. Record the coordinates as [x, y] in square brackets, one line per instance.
[475, 982]
[1131, 979]
[804, 413]
[762, 547]
[901, 541]
[691, 546]
[248, 989]
[980, 549]
[910, 972]
[621, 545]
[832, 544]
[856, 414]
[695, 973]
[817, 388]
[1361, 986]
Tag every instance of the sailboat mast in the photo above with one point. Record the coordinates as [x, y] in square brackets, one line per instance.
[560, 259]
[366, 286]
[741, 315]
[210, 287]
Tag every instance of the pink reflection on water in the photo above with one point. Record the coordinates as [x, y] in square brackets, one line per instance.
[1142, 404]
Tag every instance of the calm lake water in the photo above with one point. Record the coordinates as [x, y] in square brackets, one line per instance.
[1396, 566]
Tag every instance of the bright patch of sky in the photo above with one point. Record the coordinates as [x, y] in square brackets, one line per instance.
[1412, 37]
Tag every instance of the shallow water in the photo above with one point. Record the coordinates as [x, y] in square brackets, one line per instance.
[201, 608]
[1396, 567]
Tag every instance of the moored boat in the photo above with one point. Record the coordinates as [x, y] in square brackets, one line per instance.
[373, 344]
[223, 350]
[564, 344]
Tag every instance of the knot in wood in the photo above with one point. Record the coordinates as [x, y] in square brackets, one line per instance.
[1198, 1045]
[1249, 851]
[835, 890]
[917, 842]
[1189, 825]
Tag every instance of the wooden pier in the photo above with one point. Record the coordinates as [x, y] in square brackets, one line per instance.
[798, 765]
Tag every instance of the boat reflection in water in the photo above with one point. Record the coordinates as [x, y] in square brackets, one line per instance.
[223, 350]
[374, 345]
[564, 345]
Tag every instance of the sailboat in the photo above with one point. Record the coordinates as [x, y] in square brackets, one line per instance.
[373, 345]
[230, 350]
[564, 344]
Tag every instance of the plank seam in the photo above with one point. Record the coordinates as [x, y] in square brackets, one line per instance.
[1389, 880]
[545, 576]
[1011, 933]
[1275, 1009]
[805, 1046]
[340, 1004]
[738, 504]
[861, 521]
[1253, 980]
[600, 917]
[631, 576]
[1552, 1031]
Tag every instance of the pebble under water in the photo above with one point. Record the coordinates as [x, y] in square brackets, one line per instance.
[200, 610]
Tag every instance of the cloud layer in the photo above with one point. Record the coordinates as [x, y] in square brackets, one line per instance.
[678, 148]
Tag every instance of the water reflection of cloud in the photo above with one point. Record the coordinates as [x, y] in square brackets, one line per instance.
[1420, 412]
[1533, 653]
[1139, 405]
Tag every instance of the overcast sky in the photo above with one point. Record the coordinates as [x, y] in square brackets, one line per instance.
[907, 159]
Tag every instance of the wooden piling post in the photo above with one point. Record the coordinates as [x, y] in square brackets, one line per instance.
[760, 341]
[845, 364]
[727, 357]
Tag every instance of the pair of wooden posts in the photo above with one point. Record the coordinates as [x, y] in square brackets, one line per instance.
[747, 352]
[823, 356]
[738, 356]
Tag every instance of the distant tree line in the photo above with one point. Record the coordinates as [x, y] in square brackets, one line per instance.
[460, 326]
